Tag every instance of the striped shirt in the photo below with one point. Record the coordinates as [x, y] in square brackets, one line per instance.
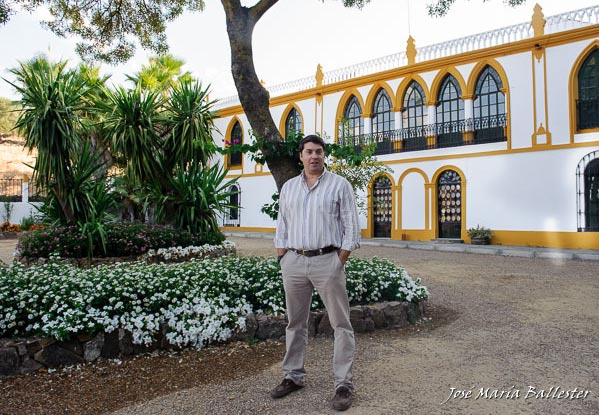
[318, 217]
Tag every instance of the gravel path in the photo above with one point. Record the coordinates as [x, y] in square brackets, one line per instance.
[506, 324]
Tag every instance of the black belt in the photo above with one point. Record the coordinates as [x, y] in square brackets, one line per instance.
[314, 252]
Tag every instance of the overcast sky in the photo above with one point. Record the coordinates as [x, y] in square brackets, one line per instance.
[290, 40]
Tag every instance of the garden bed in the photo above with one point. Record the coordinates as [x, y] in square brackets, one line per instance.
[142, 306]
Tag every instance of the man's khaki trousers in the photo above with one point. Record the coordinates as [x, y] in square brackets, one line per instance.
[301, 275]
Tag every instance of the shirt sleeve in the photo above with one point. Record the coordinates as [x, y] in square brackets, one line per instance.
[349, 219]
[281, 232]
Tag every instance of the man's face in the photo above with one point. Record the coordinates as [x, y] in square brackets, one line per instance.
[312, 156]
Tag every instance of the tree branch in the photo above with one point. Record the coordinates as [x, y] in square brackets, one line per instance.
[258, 9]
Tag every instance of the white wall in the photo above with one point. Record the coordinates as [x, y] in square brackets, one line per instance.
[518, 69]
[412, 201]
[19, 211]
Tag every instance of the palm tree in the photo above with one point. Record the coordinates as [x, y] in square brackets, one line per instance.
[161, 74]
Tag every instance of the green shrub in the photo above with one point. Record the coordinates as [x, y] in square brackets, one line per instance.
[122, 240]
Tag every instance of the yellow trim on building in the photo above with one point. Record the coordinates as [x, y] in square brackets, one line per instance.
[440, 77]
[426, 196]
[342, 103]
[571, 240]
[374, 90]
[403, 87]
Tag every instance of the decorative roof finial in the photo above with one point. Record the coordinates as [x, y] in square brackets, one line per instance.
[411, 51]
[319, 75]
[538, 21]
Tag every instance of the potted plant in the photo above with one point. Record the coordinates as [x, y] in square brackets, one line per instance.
[480, 235]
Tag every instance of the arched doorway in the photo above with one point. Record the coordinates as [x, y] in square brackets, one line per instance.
[381, 207]
[591, 191]
[587, 190]
[449, 204]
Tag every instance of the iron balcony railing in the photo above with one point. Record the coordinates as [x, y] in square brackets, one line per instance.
[449, 134]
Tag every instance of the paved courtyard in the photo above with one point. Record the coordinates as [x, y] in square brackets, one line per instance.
[513, 331]
[523, 325]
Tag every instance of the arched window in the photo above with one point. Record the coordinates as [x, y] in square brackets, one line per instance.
[352, 125]
[232, 211]
[588, 92]
[450, 114]
[489, 107]
[414, 118]
[382, 123]
[235, 157]
[382, 118]
[293, 123]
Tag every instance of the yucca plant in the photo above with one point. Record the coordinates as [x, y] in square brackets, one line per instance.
[89, 197]
[132, 125]
[53, 101]
[189, 124]
[197, 194]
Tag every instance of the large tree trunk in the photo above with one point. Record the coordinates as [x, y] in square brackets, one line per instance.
[253, 96]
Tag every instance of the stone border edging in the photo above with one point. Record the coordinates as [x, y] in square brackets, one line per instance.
[21, 356]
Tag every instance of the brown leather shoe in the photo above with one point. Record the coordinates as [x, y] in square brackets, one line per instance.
[342, 399]
[284, 389]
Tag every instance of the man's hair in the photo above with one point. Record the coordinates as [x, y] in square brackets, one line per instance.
[311, 139]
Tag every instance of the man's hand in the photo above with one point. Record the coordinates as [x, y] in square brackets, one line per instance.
[343, 255]
[280, 253]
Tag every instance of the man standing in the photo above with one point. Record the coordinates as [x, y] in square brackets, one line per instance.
[317, 228]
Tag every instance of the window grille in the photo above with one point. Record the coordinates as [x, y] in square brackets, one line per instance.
[450, 112]
[352, 124]
[587, 193]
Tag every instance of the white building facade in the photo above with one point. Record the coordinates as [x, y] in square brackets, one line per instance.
[500, 129]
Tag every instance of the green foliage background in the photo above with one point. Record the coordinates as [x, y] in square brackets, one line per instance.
[8, 116]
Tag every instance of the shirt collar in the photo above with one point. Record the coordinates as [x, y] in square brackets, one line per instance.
[324, 172]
